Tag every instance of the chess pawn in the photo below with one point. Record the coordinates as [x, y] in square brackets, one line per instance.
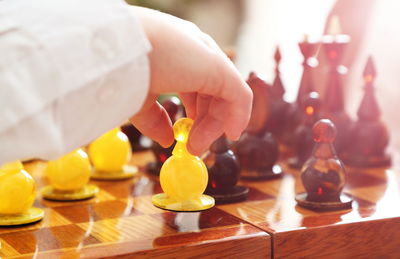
[17, 194]
[369, 134]
[174, 109]
[223, 173]
[68, 177]
[110, 154]
[323, 175]
[258, 154]
[303, 137]
[183, 177]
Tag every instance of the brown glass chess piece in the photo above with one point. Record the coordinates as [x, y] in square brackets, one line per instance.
[134, 135]
[257, 150]
[261, 103]
[174, 108]
[323, 175]
[303, 137]
[223, 173]
[333, 102]
[369, 135]
[258, 155]
[295, 113]
[279, 117]
[308, 50]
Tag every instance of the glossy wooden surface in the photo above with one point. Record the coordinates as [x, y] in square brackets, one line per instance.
[121, 222]
[369, 230]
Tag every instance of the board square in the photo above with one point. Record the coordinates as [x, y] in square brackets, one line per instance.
[96, 211]
[196, 221]
[58, 237]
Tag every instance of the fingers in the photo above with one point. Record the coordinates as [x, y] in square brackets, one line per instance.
[154, 122]
[239, 98]
[204, 131]
[189, 101]
[184, 60]
[220, 106]
[202, 104]
[235, 97]
[208, 125]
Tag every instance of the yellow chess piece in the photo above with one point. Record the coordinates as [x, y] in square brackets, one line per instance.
[68, 177]
[110, 154]
[17, 194]
[183, 177]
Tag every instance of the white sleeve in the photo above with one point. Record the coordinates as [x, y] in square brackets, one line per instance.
[69, 71]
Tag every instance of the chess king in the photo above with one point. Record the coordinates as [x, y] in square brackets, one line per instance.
[183, 177]
[17, 194]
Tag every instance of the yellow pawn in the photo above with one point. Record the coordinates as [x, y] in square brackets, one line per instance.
[68, 177]
[183, 177]
[17, 194]
[110, 154]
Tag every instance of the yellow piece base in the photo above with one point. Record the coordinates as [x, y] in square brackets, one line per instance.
[163, 202]
[32, 215]
[127, 172]
[88, 191]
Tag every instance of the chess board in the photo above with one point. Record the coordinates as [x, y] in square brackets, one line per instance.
[121, 222]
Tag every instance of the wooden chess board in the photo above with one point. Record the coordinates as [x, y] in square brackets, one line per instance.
[122, 222]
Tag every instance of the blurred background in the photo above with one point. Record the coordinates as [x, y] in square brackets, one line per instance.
[254, 28]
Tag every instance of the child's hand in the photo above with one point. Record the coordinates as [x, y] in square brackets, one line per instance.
[186, 61]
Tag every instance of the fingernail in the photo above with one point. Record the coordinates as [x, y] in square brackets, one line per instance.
[234, 137]
[167, 143]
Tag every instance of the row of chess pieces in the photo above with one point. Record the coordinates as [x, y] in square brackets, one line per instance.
[305, 129]
[303, 133]
[106, 158]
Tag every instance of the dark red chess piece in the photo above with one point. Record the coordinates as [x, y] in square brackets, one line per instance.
[308, 50]
[295, 113]
[303, 136]
[323, 175]
[333, 102]
[257, 150]
[278, 118]
[223, 173]
[258, 155]
[174, 108]
[134, 136]
[369, 135]
[261, 103]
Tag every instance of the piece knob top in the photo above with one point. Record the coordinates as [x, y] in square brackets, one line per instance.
[369, 71]
[181, 129]
[277, 55]
[324, 131]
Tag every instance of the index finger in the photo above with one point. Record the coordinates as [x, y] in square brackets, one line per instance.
[236, 94]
